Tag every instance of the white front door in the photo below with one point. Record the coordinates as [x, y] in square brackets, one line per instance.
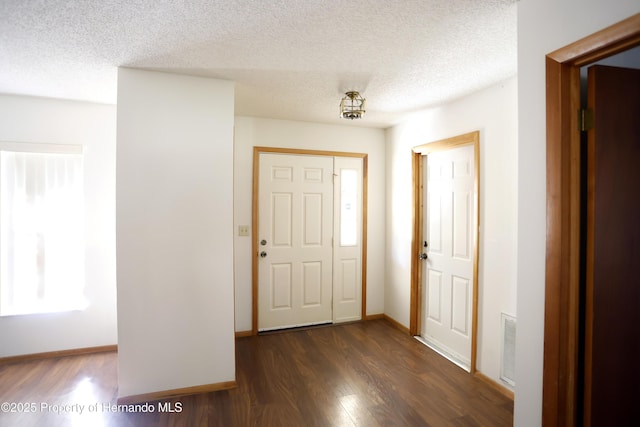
[449, 224]
[295, 226]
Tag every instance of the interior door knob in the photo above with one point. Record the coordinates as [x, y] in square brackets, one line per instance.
[263, 254]
[423, 256]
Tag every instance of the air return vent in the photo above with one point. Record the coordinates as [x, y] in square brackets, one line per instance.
[508, 366]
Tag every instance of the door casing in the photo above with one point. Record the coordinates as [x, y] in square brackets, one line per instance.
[471, 138]
[562, 290]
[254, 221]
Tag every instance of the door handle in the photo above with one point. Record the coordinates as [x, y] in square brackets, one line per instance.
[263, 254]
[423, 256]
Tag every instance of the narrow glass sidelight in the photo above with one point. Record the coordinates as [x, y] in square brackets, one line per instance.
[348, 231]
[348, 207]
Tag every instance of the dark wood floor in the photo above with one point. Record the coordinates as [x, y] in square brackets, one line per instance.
[360, 374]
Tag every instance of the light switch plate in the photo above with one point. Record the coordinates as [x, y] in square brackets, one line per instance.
[243, 230]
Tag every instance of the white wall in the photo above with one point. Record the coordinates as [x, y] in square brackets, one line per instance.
[494, 113]
[250, 132]
[543, 26]
[49, 121]
[174, 231]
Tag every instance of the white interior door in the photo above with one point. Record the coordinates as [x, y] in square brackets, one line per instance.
[295, 240]
[447, 288]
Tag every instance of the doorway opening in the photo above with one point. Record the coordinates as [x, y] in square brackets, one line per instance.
[565, 299]
[429, 281]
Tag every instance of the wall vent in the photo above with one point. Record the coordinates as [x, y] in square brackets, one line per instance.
[508, 365]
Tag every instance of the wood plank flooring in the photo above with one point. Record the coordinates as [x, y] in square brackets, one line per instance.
[360, 374]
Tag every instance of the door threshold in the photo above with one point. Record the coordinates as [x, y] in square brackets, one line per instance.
[291, 328]
[444, 353]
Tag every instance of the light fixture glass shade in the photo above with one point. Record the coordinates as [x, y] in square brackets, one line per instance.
[352, 106]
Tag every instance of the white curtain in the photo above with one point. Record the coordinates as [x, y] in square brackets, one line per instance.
[41, 232]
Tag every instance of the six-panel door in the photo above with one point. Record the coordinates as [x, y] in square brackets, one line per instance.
[448, 270]
[295, 223]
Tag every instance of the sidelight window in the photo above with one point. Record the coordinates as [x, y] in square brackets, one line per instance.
[349, 207]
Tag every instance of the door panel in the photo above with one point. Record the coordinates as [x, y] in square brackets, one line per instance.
[612, 326]
[448, 270]
[434, 301]
[461, 215]
[312, 220]
[296, 223]
[281, 210]
[434, 222]
[312, 284]
[280, 286]
[460, 305]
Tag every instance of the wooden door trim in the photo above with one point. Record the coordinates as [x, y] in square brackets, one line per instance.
[415, 305]
[562, 296]
[254, 219]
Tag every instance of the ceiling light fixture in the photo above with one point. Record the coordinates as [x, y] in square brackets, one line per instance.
[352, 106]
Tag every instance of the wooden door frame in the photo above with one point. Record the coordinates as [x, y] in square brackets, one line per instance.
[415, 305]
[255, 212]
[562, 293]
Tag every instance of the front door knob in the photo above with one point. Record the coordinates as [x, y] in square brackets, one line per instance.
[263, 254]
[423, 256]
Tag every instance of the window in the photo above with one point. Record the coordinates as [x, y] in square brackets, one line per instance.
[349, 207]
[41, 232]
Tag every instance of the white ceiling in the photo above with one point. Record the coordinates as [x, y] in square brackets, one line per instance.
[290, 59]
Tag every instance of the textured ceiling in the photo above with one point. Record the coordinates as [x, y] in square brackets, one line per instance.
[290, 59]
